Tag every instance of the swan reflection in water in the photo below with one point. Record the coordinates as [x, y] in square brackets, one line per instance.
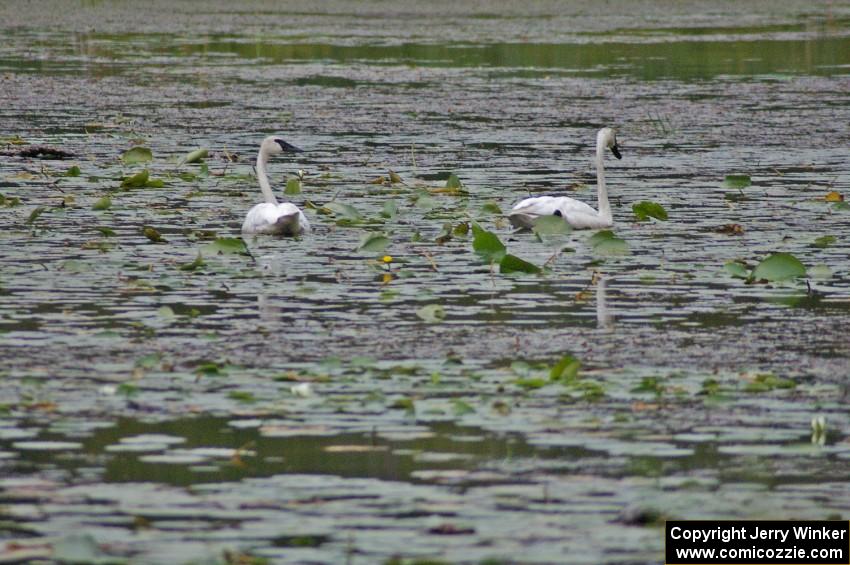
[604, 316]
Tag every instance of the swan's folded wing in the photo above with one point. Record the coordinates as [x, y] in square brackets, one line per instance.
[260, 218]
[278, 219]
[536, 206]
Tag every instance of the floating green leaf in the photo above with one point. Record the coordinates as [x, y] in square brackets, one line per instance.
[461, 229]
[454, 182]
[293, 186]
[209, 368]
[374, 242]
[566, 369]
[166, 312]
[462, 408]
[137, 155]
[35, 214]
[102, 204]
[491, 207]
[737, 181]
[425, 202]
[432, 313]
[343, 211]
[513, 264]
[737, 269]
[106, 232]
[73, 171]
[824, 241]
[227, 245]
[531, 383]
[152, 234]
[194, 265]
[779, 267]
[841, 207]
[9, 201]
[195, 156]
[487, 245]
[390, 209]
[821, 272]
[766, 382]
[551, 225]
[244, 396]
[606, 243]
[137, 180]
[646, 209]
[78, 548]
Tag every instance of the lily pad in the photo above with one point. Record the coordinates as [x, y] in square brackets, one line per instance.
[737, 269]
[820, 272]
[194, 265]
[606, 243]
[227, 245]
[135, 181]
[737, 181]
[373, 242]
[195, 156]
[35, 214]
[102, 204]
[390, 209]
[293, 186]
[152, 234]
[566, 369]
[648, 209]
[487, 244]
[513, 264]
[77, 548]
[343, 211]
[454, 182]
[432, 313]
[779, 267]
[551, 225]
[824, 241]
[491, 208]
[137, 155]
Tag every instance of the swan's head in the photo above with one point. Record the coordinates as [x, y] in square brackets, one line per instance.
[274, 144]
[608, 138]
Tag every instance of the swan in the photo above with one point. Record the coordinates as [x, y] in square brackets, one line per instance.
[270, 217]
[576, 213]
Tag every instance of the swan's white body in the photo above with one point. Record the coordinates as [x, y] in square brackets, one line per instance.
[575, 212]
[270, 217]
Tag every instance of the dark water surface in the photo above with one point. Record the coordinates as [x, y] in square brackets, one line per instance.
[300, 402]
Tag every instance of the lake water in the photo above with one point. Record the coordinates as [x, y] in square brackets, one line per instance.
[303, 400]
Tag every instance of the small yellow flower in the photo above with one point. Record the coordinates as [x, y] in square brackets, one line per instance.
[387, 278]
[387, 259]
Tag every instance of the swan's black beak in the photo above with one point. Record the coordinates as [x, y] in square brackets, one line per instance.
[615, 149]
[288, 146]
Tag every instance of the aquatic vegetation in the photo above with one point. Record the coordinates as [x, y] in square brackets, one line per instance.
[604, 242]
[195, 156]
[779, 267]
[645, 209]
[136, 155]
[737, 181]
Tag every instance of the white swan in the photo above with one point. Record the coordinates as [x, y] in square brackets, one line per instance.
[576, 213]
[270, 217]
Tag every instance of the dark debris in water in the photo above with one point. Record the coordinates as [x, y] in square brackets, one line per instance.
[39, 152]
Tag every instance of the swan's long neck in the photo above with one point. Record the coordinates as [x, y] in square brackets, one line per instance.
[265, 187]
[602, 190]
